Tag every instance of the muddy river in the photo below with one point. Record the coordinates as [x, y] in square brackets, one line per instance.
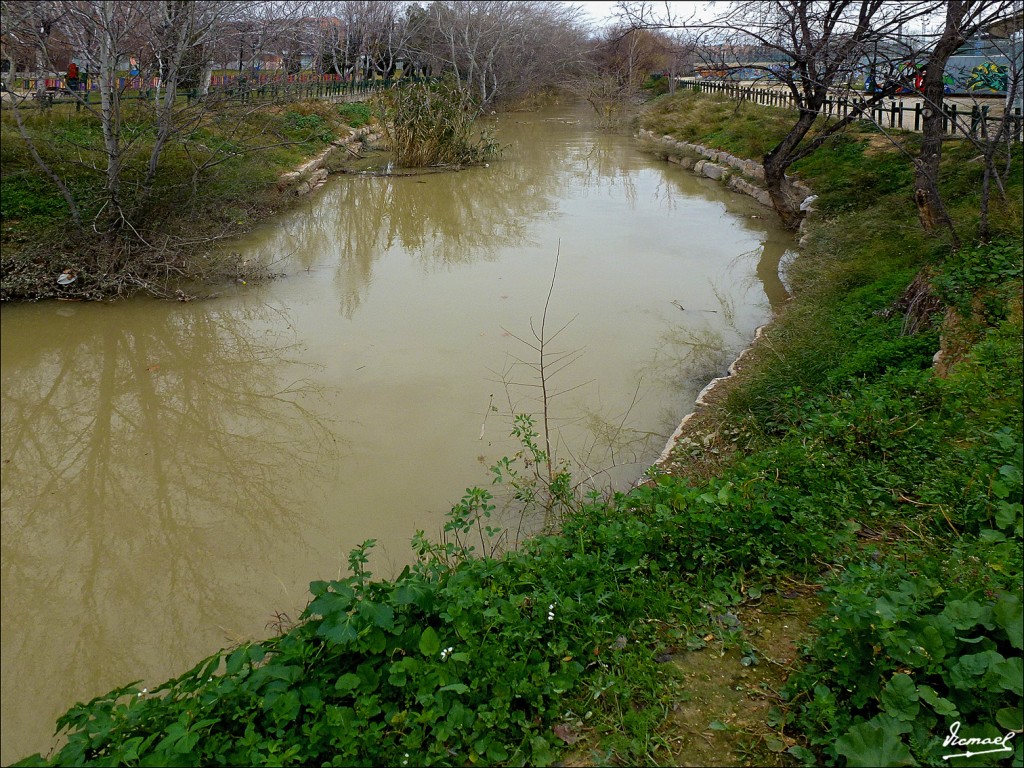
[175, 474]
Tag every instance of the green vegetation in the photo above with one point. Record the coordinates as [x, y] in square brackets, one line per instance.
[856, 464]
[356, 114]
[433, 123]
[218, 176]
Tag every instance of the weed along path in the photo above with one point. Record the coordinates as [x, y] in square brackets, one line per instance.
[175, 474]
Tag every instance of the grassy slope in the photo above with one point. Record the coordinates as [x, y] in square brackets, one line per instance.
[854, 464]
[183, 214]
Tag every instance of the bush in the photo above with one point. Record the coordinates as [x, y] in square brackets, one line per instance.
[432, 123]
[356, 114]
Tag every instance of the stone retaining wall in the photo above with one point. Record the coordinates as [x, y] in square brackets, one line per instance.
[312, 174]
[739, 174]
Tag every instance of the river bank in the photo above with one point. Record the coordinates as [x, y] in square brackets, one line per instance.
[781, 373]
[230, 169]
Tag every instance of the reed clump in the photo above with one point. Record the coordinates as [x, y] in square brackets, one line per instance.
[433, 124]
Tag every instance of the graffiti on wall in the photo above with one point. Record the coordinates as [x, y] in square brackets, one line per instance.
[988, 77]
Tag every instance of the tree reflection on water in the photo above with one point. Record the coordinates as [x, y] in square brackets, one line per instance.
[149, 459]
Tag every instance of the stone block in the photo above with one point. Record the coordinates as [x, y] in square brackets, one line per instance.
[713, 171]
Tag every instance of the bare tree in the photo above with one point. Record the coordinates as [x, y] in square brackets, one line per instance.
[153, 40]
[500, 47]
[619, 62]
[812, 48]
[155, 49]
[1000, 138]
[23, 26]
[961, 20]
[32, 32]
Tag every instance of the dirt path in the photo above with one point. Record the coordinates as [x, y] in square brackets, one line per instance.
[724, 708]
[730, 687]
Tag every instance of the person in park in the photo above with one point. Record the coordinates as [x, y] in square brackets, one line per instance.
[72, 78]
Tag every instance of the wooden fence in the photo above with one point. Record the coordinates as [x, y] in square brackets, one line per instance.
[956, 118]
[264, 89]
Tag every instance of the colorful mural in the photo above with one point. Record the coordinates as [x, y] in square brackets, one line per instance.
[988, 77]
[961, 76]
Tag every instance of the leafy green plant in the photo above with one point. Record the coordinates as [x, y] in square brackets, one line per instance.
[981, 281]
[312, 125]
[356, 114]
[900, 659]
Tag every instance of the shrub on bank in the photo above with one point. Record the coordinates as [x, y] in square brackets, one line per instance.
[218, 175]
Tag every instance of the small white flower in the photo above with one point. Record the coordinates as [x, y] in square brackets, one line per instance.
[445, 652]
[551, 612]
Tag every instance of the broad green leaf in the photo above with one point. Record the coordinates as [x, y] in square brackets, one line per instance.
[870, 744]
[899, 698]
[979, 663]
[1010, 718]
[496, 752]
[339, 629]
[990, 536]
[931, 641]
[381, 615]
[1007, 514]
[943, 707]
[430, 643]
[964, 614]
[317, 588]
[347, 682]
[1009, 674]
[886, 609]
[803, 754]
[541, 751]
[330, 604]
[413, 594]
[1009, 614]
[235, 661]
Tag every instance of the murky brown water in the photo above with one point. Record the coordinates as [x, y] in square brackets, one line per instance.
[174, 474]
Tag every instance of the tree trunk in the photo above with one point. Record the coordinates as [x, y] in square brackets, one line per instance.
[181, 24]
[204, 78]
[930, 209]
[776, 162]
[110, 111]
